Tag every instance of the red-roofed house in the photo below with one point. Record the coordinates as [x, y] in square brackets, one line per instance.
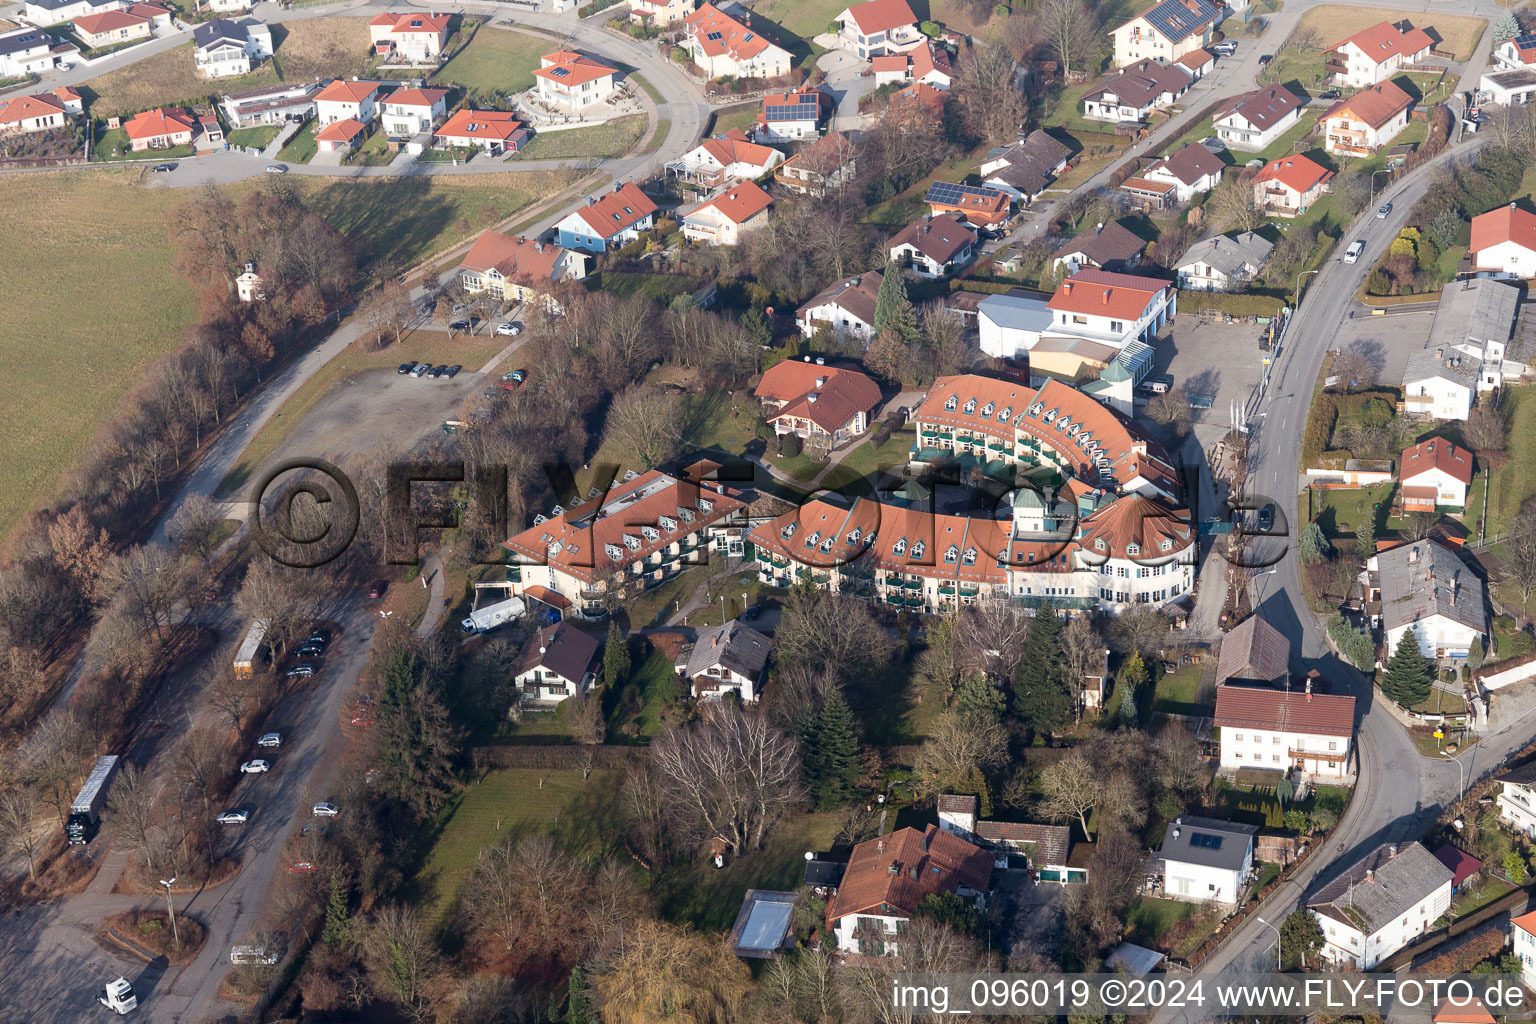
[878, 27]
[160, 128]
[1376, 54]
[1504, 242]
[1462, 1011]
[20, 115]
[824, 165]
[1366, 121]
[1283, 729]
[928, 64]
[723, 219]
[978, 205]
[826, 405]
[934, 246]
[342, 99]
[723, 46]
[413, 111]
[573, 82]
[1433, 474]
[1523, 933]
[608, 220]
[412, 37]
[889, 876]
[1514, 54]
[111, 27]
[792, 116]
[341, 136]
[725, 158]
[1287, 186]
[659, 13]
[495, 131]
[515, 269]
[1114, 308]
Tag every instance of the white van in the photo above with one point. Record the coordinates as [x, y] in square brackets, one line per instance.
[1354, 251]
[252, 955]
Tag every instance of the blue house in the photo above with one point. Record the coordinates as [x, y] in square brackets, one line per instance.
[608, 221]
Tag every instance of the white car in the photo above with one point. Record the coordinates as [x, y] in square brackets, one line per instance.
[1354, 251]
[277, 169]
[271, 739]
[256, 767]
[236, 817]
[512, 329]
[325, 809]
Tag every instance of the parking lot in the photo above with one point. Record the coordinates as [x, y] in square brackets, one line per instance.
[1216, 360]
[1389, 339]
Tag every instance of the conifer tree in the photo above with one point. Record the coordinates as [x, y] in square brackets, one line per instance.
[1409, 674]
[893, 307]
[615, 658]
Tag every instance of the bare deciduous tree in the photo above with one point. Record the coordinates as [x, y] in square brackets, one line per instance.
[401, 958]
[823, 631]
[960, 745]
[133, 810]
[670, 973]
[992, 634]
[994, 103]
[195, 526]
[1069, 787]
[642, 425]
[1484, 431]
[19, 827]
[1069, 30]
[1179, 766]
[524, 887]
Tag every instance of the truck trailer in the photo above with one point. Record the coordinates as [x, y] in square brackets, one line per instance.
[85, 813]
[492, 615]
[250, 650]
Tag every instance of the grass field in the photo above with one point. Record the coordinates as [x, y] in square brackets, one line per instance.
[615, 138]
[1178, 693]
[318, 48]
[660, 287]
[113, 145]
[1175, 927]
[805, 18]
[495, 61]
[743, 117]
[258, 137]
[1332, 23]
[301, 149]
[1514, 481]
[505, 801]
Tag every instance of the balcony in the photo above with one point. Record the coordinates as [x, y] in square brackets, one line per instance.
[1335, 67]
[912, 584]
[946, 589]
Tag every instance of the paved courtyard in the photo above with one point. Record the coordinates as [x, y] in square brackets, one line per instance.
[1217, 360]
[1388, 339]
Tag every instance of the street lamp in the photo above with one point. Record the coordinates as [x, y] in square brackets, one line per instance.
[171, 908]
[1260, 588]
[1272, 928]
[1463, 776]
[1384, 170]
[1296, 290]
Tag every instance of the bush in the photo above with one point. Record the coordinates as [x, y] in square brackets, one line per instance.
[789, 445]
[1353, 643]
[1247, 304]
[931, 29]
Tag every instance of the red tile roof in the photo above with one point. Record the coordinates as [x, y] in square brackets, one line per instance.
[437, 24]
[1375, 105]
[343, 91]
[740, 203]
[498, 125]
[1297, 173]
[416, 97]
[1459, 1011]
[881, 15]
[735, 39]
[344, 130]
[1155, 529]
[21, 108]
[565, 68]
[890, 875]
[1526, 922]
[152, 124]
[1506, 224]
[1436, 453]
[616, 210]
[523, 261]
[920, 94]
[840, 393]
[93, 24]
[1094, 292]
[1385, 41]
[1195, 58]
[1317, 714]
[734, 147]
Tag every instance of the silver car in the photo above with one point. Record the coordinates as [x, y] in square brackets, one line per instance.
[235, 817]
[325, 809]
[271, 739]
[256, 767]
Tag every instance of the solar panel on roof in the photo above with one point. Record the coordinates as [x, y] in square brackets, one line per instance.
[951, 193]
[1205, 841]
[1525, 42]
[560, 72]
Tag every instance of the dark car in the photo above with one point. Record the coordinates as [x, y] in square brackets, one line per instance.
[459, 325]
[1331, 94]
[1266, 518]
[1264, 60]
[752, 612]
[377, 590]
[436, 371]
[453, 371]
[164, 168]
[404, 368]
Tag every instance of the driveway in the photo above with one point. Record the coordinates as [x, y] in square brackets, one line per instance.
[848, 84]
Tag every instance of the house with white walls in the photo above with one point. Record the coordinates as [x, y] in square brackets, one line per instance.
[1133, 92]
[1253, 120]
[726, 659]
[1167, 32]
[888, 876]
[1504, 242]
[1422, 587]
[1376, 54]
[1282, 730]
[1434, 474]
[877, 28]
[1191, 170]
[558, 662]
[1517, 799]
[1467, 352]
[1381, 903]
[1361, 124]
[1203, 860]
[848, 307]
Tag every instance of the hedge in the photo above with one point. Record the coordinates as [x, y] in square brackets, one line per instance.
[1324, 416]
[1245, 304]
[561, 756]
[970, 284]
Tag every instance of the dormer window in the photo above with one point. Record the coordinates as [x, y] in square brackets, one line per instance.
[632, 542]
[1167, 544]
[970, 556]
[1005, 415]
[900, 547]
[854, 535]
[668, 523]
[917, 550]
[1050, 414]
[813, 539]
[613, 551]
[555, 548]
[706, 506]
[1098, 544]
[685, 514]
[953, 554]
[970, 406]
[826, 545]
[1037, 409]
[952, 403]
[1133, 550]
[986, 410]
[650, 533]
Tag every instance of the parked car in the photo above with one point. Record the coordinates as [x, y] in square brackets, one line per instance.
[459, 325]
[301, 866]
[301, 672]
[1266, 518]
[1329, 94]
[1352, 254]
[325, 809]
[311, 651]
[420, 369]
[517, 376]
[234, 817]
[256, 767]
[450, 372]
[1264, 60]
[319, 636]
[752, 613]
[405, 367]
[510, 329]
[1381, 214]
[277, 169]
[164, 168]
[314, 830]
[376, 591]
[271, 739]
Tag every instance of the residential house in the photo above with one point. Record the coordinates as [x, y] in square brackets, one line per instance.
[557, 662]
[825, 165]
[791, 117]
[1026, 168]
[1112, 247]
[1046, 849]
[110, 28]
[1435, 474]
[1253, 120]
[825, 405]
[1375, 54]
[1223, 264]
[934, 246]
[659, 13]
[341, 136]
[929, 64]
[26, 51]
[889, 876]
[1112, 308]
[1381, 903]
[1197, 62]
[725, 159]
[1287, 186]
[1513, 88]
[495, 131]
[572, 82]
[1133, 92]
[1281, 730]
[848, 307]
[273, 104]
[342, 99]
[980, 207]
[225, 6]
[877, 28]
[1008, 326]
[608, 220]
[1423, 588]
[1167, 32]
[1203, 859]
[1523, 939]
[1192, 170]
[725, 218]
[724, 47]
[160, 128]
[222, 48]
[39, 112]
[1253, 653]
[726, 659]
[409, 112]
[918, 100]
[1516, 53]
[637, 535]
[1504, 242]
[1468, 349]
[55, 12]
[1366, 121]
[1517, 799]
[514, 269]
[410, 38]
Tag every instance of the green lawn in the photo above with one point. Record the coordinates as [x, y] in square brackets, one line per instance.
[1286, 144]
[1178, 693]
[655, 606]
[373, 152]
[113, 145]
[496, 61]
[1514, 481]
[258, 137]
[1292, 65]
[504, 801]
[615, 138]
[805, 18]
[1342, 513]
[1175, 927]
[731, 588]
[656, 679]
[650, 90]
[866, 459]
[661, 287]
[743, 117]
[301, 149]
[658, 138]
[1483, 893]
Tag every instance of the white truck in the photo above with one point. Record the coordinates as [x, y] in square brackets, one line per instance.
[250, 650]
[118, 996]
[85, 812]
[492, 615]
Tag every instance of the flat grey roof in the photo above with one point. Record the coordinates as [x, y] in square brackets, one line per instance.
[763, 924]
[1476, 310]
[1015, 312]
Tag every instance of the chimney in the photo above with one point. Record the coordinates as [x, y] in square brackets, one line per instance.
[821, 382]
[1392, 850]
[1370, 876]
